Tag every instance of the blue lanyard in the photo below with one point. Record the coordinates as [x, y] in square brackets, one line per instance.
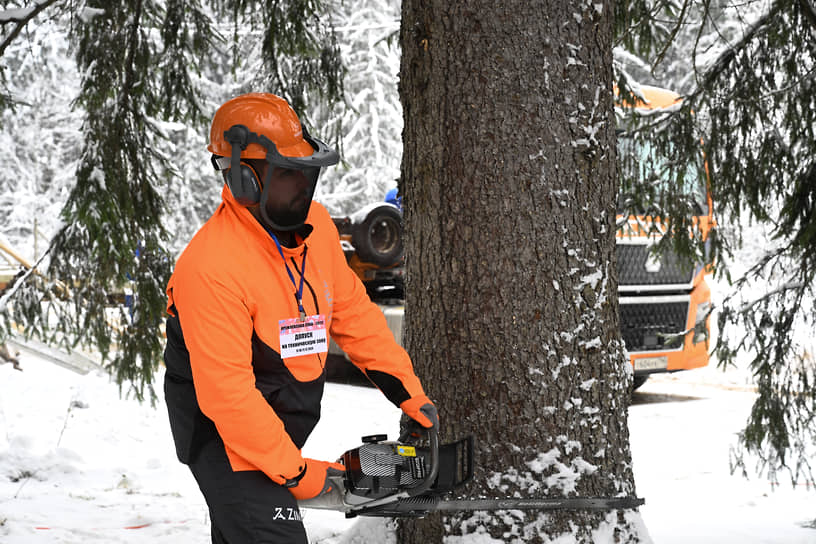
[299, 293]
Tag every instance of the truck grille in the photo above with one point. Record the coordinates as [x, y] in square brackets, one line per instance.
[633, 273]
[653, 325]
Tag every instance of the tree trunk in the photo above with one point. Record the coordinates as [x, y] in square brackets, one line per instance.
[509, 193]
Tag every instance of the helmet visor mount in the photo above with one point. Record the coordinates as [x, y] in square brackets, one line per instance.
[280, 218]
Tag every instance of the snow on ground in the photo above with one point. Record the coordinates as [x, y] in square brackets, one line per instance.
[683, 427]
[80, 465]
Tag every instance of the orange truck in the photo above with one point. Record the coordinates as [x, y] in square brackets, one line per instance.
[664, 301]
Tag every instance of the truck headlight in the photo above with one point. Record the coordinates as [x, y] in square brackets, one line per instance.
[700, 329]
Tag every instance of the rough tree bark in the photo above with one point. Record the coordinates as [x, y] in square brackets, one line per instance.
[509, 194]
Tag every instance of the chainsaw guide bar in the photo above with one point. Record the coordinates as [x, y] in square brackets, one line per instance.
[394, 479]
[420, 506]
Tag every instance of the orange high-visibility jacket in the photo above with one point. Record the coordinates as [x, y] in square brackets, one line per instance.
[224, 373]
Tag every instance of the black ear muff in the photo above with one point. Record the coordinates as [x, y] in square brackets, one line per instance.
[245, 187]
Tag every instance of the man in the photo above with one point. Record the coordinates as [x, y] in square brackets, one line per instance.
[252, 301]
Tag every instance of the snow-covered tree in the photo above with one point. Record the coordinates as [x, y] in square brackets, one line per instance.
[372, 118]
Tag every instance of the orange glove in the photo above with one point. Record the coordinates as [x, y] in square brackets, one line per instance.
[421, 410]
[314, 480]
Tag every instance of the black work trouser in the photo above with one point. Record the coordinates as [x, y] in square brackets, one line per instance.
[246, 507]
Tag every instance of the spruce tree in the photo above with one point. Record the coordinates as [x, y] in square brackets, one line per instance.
[754, 106]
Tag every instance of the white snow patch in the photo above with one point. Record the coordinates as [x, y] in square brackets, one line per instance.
[587, 385]
[595, 343]
[87, 14]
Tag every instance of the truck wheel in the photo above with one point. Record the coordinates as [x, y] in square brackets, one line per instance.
[637, 381]
[378, 239]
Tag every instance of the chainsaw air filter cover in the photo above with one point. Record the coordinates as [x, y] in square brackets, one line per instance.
[378, 468]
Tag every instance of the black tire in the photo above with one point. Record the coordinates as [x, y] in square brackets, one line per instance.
[637, 381]
[378, 239]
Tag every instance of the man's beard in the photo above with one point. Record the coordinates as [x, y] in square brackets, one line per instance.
[289, 217]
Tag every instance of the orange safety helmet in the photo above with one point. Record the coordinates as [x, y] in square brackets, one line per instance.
[262, 113]
[264, 126]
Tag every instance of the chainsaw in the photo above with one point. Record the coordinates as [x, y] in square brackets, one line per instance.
[400, 479]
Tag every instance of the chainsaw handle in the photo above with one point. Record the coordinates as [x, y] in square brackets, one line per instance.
[433, 455]
[427, 483]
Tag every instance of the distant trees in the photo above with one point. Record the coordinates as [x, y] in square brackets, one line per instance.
[371, 146]
[146, 65]
[15, 20]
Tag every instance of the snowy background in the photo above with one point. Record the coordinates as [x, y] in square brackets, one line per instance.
[41, 137]
[79, 464]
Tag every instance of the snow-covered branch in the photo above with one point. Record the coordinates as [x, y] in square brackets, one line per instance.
[21, 16]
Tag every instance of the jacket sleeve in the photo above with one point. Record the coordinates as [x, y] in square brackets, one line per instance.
[217, 328]
[360, 330]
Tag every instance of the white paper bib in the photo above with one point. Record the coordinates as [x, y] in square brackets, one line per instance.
[303, 337]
